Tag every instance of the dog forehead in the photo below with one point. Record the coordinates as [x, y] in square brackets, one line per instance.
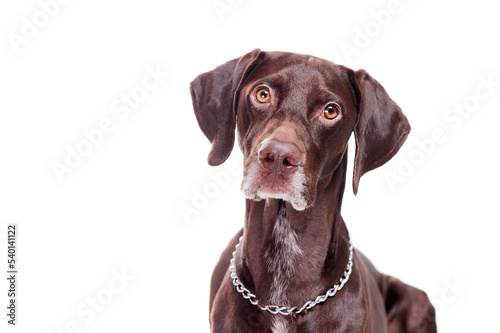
[294, 66]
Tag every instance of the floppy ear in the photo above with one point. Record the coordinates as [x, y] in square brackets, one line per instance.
[381, 128]
[214, 96]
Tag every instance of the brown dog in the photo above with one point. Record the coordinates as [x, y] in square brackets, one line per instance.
[294, 269]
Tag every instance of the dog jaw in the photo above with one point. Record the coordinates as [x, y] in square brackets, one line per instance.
[258, 185]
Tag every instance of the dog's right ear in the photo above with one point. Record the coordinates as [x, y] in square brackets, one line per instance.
[215, 95]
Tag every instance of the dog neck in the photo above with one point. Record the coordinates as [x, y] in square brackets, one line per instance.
[289, 257]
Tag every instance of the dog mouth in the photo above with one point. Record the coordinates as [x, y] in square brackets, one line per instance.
[259, 185]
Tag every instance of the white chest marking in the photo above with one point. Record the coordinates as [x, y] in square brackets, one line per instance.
[279, 325]
[282, 262]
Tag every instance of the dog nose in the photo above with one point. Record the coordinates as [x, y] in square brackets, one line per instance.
[280, 156]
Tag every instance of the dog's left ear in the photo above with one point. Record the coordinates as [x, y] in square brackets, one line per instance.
[214, 96]
[381, 128]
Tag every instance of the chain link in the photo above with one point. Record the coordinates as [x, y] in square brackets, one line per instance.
[284, 310]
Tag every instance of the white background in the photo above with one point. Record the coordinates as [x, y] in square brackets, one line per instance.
[119, 210]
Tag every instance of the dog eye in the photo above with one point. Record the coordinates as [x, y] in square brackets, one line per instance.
[331, 111]
[263, 95]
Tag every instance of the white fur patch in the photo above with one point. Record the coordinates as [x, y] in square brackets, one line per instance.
[294, 194]
[279, 325]
[248, 186]
[283, 261]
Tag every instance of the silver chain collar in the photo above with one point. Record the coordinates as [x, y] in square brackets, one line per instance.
[284, 310]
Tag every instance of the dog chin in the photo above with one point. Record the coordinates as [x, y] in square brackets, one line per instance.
[293, 192]
[297, 203]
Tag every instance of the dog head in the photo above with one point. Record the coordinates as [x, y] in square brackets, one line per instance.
[294, 115]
